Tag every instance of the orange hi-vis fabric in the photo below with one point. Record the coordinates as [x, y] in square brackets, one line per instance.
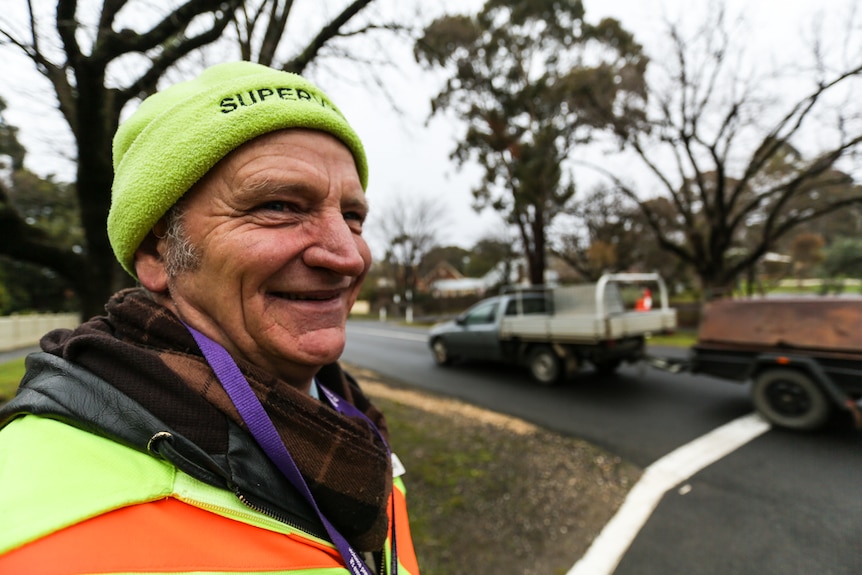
[126, 512]
[166, 536]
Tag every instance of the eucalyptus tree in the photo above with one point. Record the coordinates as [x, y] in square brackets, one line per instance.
[532, 80]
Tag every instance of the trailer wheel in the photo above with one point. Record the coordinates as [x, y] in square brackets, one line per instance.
[545, 366]
[789, 398]
[440, 352]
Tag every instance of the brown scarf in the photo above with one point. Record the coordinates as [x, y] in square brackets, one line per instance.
[145, 351]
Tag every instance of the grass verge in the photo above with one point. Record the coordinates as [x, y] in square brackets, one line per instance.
[678, 339]
[492, 494]
[11, 373]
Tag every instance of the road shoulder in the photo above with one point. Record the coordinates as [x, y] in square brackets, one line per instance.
[489, 493]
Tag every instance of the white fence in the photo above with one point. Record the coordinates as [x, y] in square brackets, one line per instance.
[815, 282]
[26, 330]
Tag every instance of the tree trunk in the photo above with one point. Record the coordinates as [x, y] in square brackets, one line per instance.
[94, 134]
[537, 251]
[715, 284]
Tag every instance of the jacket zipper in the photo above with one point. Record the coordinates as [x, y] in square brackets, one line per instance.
[381, 569]
[169, 453]
[280, 517]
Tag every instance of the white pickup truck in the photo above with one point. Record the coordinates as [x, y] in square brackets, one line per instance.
[554, 331]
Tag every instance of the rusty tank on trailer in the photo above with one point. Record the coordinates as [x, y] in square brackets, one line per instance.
[831, 325]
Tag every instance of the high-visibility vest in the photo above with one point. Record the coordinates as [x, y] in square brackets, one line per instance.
[74, 502]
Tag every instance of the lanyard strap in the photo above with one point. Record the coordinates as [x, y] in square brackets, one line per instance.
[264, 432]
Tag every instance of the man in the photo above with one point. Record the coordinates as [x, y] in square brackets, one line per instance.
[204, 425]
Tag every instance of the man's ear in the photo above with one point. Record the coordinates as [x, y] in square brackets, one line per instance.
[149, 264]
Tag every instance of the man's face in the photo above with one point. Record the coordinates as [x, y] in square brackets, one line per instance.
[278, 228]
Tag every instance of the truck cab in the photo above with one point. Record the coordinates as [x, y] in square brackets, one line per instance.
[474, 334]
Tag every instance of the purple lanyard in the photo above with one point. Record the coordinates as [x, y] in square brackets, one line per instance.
[264, 432]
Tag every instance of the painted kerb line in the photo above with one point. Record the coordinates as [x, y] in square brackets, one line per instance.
[607, 550]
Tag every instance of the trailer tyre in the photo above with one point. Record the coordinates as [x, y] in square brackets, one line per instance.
[440, 352]
[545, 367]
[789, 398]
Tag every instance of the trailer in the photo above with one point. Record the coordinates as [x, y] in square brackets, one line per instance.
[801, 355]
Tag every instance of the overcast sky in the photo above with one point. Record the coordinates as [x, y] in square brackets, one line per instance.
[408, 156]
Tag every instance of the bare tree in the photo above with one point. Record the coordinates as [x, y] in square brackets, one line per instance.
[607, 232]
[728, 165]
[410, 227]
[139, 42]
[600, 235]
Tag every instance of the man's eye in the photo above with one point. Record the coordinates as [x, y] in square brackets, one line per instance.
[355, 221]
[276, 207]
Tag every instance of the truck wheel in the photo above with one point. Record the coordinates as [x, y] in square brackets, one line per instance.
[545, 366]
[789, 398]
[440, 352]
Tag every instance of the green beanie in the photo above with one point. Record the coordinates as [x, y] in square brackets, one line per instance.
[177, 135]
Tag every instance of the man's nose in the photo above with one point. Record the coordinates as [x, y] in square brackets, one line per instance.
[334, 246]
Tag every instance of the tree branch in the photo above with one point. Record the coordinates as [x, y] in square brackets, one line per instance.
[146, 83]
[114, 44]
[298, 64]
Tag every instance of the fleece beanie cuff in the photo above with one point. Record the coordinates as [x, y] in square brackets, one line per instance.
[178, 134]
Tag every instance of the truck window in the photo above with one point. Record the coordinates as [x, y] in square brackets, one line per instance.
[482, 313]
[531, 305]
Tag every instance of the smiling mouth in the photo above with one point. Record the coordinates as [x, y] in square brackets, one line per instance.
[305, 297]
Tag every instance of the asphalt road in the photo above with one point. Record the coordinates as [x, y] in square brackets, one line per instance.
[786, 503]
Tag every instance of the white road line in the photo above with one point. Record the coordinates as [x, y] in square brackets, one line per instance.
[389, 334]
[608, 548]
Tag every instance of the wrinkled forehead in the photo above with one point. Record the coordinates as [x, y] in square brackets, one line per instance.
[291, 162]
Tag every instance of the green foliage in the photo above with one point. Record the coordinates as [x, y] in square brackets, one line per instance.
[48, 215]
[11, 373]
[678, 339]
[10, 147]
[5, 297]
[49, 206]
[27, 287]
[843, 259]
[488, 253]
[9, 144]
[533, 80]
